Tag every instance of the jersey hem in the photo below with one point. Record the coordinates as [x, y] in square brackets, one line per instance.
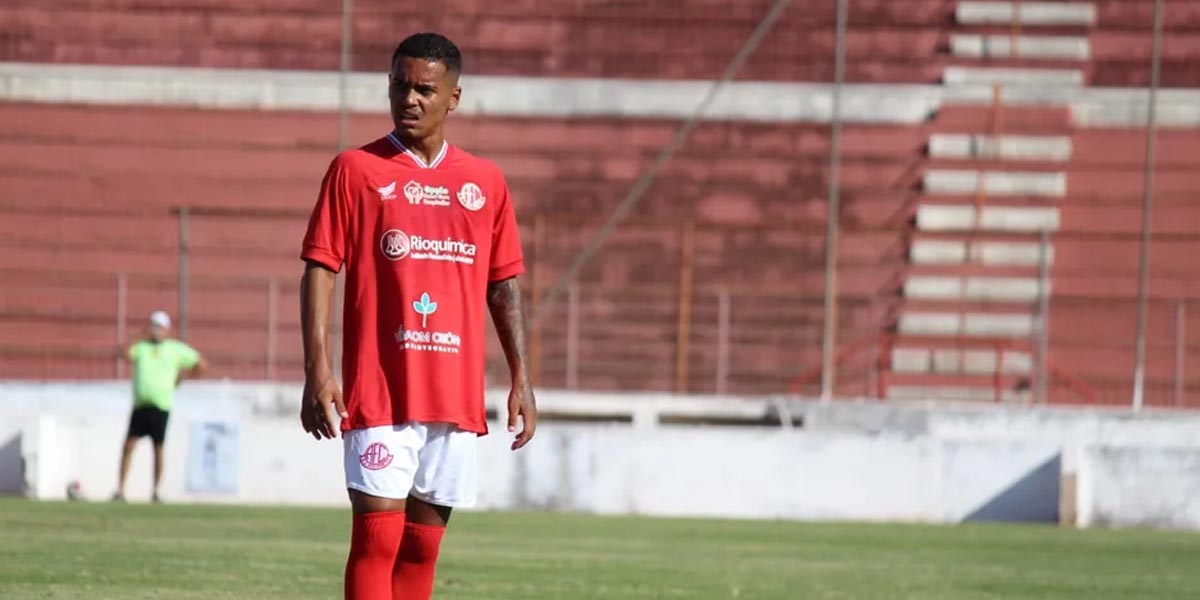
[478, 429]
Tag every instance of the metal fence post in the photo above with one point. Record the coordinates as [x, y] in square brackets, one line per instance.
[272, 318]
[344, 74]
[122, 314]
[723, 311]
[1139, 360]
[182, 317]
[684, 326]
[1180, 351]
[1043, 321]
[573, 336]
[829, 337]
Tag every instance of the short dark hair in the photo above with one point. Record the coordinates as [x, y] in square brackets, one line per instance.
[433, 47]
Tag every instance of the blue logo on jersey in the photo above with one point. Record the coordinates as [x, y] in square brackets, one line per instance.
[424, 307]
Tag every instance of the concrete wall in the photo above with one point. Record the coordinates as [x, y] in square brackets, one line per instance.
[73, 433]
[607, 469]
[1130, 486]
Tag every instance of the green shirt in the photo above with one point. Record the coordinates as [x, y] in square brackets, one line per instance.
[156, 370]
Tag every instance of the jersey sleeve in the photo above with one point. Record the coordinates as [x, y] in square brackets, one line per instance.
[188, 356]
[325, 241]
[135, 351]
[506, 258]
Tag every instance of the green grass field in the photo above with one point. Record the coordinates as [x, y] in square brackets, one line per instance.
[99, 551]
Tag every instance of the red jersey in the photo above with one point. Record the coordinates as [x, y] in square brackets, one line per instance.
[420, 243]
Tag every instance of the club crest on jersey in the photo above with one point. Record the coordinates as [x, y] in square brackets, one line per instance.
[395, 244]
[471, 197]
[429, 195]
[387, 192]
[376, 457]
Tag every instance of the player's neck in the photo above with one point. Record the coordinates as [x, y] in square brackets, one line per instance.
[426, 148]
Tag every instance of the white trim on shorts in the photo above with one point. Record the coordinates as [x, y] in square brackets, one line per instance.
[433, 462]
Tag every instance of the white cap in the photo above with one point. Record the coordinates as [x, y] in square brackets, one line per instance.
[161, 319]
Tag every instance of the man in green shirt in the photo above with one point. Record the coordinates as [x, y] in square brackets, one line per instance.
[160, 364]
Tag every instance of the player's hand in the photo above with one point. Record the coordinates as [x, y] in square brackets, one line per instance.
[321, 406]
[522, 406]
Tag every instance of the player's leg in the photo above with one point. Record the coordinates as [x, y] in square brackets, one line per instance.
[126, 457]
[158, 471]
[445, 479]
[137, 429]
[416, 564]
[380, 463]
[158, 435]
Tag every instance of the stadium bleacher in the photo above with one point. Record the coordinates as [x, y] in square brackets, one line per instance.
[941, 213]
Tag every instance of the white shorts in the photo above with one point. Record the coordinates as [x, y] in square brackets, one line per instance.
[434, 462]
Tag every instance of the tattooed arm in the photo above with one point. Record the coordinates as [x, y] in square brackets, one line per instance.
[504, 302]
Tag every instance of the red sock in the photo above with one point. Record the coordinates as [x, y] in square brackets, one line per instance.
[413, 577]
[374, 541]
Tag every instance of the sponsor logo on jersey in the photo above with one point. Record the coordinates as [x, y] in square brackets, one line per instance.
[471, 197]
[376, 457]
[429, 195]
[387, 192]
[424, 340]
[397, 245]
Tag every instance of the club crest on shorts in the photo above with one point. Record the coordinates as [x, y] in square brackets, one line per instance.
[471, 197]
[376, 457]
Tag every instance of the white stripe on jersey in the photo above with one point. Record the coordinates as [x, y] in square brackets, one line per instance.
[437, 160]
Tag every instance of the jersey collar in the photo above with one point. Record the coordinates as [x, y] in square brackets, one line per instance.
[420, 162]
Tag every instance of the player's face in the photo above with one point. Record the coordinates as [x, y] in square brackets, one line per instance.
[422, 93]
[158, 333]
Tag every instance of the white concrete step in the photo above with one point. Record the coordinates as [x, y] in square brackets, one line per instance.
[995, 183]
[1026, 219]
[1055, 148]
[970, 45]
[1089, 106]
[955, 393]
[990, 253]
[974, 324]
[950, 361]
[1005, 76]
[998, 289]
[1079, 14]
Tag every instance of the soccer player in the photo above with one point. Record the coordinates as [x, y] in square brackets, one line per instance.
[160, 364]
[428, 238]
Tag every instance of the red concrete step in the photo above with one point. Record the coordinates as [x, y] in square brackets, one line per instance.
[978, 119]
[1119, 15]
[1124, 150]
[148, 127]
[182, 162]
[1169, 257]
[953, 387]
[235, 37]
[1168, 218]
[249, 6]
[1104, 322]
[50, 365]
[152, 193]
[1091, 361]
